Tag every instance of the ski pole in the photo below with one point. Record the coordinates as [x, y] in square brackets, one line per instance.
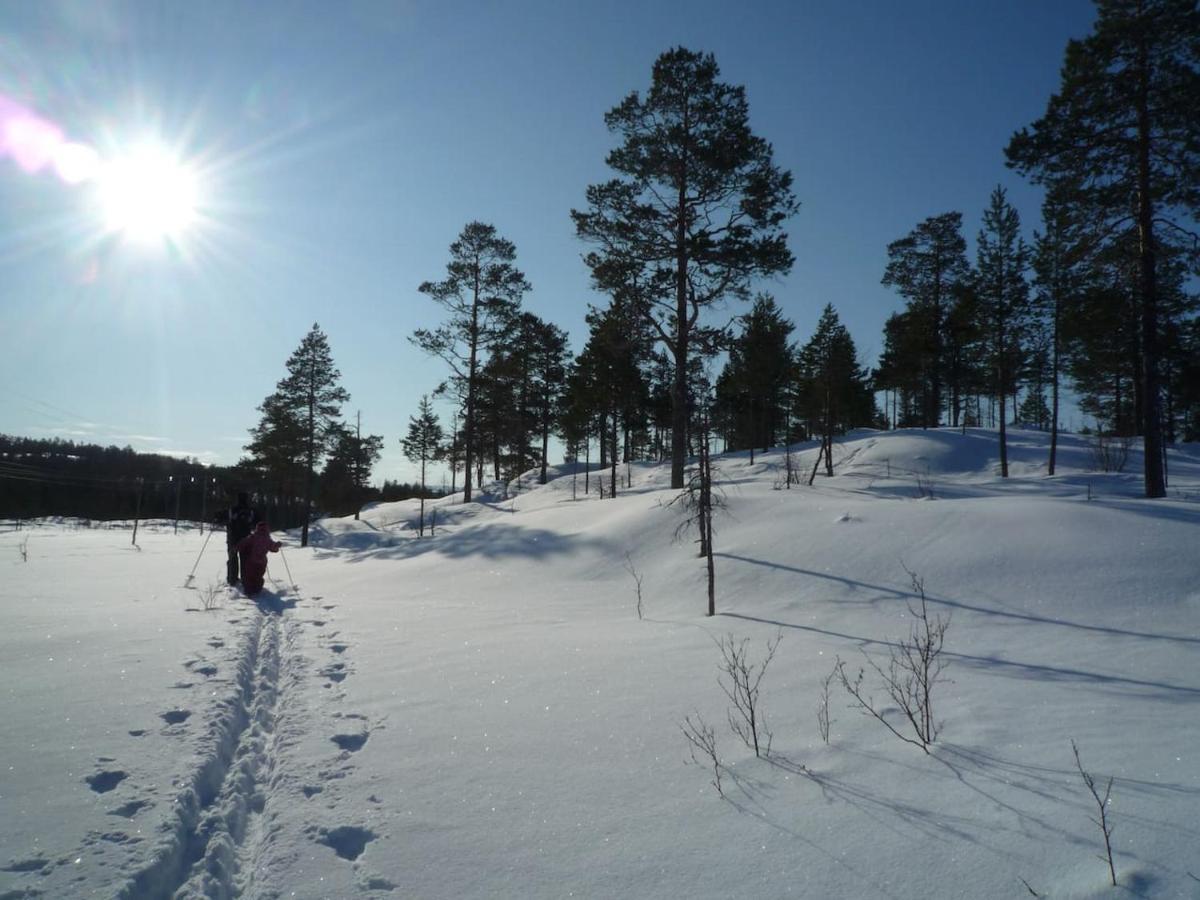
[202, 549]
[289, 571]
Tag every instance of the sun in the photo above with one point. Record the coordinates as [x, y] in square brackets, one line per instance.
[147, 194]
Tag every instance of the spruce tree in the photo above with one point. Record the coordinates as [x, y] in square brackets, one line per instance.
[752, 388]
[834, 392]
[481, 294]
[1123, 133]
[423, 444]
[1001, 261]
[301, 417]
[695, 214]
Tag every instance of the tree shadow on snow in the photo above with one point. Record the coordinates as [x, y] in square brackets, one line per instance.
[492, 540]
[906, 595]
[1166, 691]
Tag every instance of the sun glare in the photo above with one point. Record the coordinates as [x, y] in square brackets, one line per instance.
[147, 195]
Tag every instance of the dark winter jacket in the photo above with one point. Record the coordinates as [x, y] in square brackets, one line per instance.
[239, 522]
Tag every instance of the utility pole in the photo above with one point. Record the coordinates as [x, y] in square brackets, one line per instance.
[137, 509]
[357, 462]
[178, 491]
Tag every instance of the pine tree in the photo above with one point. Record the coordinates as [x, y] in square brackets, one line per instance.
[1123, 134]
[927, 266]
[481, 293]
[276, 452]
[301, 417]
[752, 388]
[695, 214]
[1001, 261]
[344, 482]
[548, 357]
[423, 444]
[1057, 286]
[833, 392]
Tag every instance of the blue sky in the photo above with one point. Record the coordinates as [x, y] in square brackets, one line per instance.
[342, 147]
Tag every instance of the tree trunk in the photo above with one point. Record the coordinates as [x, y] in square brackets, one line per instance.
[679, 392]
[545, 440]
[1152, 440]
[472, 363]
[312, 453]
[615, 436]
[1054, 389]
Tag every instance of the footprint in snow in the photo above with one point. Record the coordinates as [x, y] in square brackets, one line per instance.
[339, 648]
[103, 782]
[347, 841]
[26, 865]
[138, 732]
[130, 809]
[335, 672]
[175, 716]
[351, 742]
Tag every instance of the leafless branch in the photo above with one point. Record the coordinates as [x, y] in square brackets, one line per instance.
[702, 747]
[741, 686]
[1103, 823]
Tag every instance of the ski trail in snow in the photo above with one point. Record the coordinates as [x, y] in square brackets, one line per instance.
[217, 829]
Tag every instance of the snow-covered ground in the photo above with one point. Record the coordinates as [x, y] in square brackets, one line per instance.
[482, 713]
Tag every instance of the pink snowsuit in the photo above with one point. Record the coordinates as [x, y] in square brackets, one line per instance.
[253, 549]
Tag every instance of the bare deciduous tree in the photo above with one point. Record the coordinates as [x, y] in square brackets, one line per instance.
[1103, 822]
[914, 668]
[823, 718]
[741, 683]
[637, 581]
[702, 747]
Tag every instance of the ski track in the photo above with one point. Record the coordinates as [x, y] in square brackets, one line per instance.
[217, 831]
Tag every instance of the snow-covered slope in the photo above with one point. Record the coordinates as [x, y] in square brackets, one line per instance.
[482, 712]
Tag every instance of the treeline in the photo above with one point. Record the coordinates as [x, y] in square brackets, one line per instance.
[45, 477]
[54, 477]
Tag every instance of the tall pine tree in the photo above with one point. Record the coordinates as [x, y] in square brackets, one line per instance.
[1000, 263]
[481, 294]
[695, 214]
[1124, 134]
[927, 266]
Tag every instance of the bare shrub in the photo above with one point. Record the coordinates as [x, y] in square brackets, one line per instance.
[702, 747]
[823, 718]
[210, 597]
[914, 668]
[925, 484]
[741, 682]
[1109, 453]
[1103, 822]
[637, 581]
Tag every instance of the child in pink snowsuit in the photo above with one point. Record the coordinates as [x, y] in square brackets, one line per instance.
[253, 550]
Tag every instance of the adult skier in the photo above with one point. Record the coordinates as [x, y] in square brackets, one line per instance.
[239, 521]
[253, 550]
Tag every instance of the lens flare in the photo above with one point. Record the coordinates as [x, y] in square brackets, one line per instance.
[143, 192]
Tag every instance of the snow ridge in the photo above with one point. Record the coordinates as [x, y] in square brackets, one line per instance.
[207, 845]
